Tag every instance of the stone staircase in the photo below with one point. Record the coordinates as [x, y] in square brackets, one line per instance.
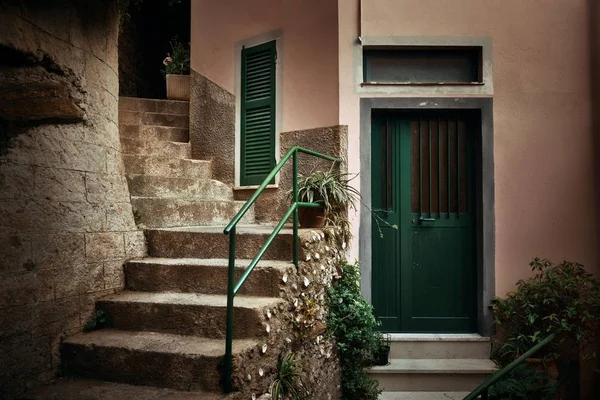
[166, 330]
[167, 188]
[434, 366]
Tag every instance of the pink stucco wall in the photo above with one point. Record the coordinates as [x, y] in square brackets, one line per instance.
[544, 148]
[309, 59]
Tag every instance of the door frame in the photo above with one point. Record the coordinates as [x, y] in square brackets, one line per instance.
[485, 220]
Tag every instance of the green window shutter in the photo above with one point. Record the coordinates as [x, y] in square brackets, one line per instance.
[257, 113]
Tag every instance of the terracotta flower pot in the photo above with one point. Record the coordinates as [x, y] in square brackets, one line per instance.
[310, 217]
[178, 87]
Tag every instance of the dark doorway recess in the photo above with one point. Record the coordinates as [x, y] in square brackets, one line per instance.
[144, 43]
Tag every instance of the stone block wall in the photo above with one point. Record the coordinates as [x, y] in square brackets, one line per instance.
[331, 140]
[298, 325]
[66, 222]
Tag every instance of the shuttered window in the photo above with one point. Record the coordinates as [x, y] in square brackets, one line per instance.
[257, 113]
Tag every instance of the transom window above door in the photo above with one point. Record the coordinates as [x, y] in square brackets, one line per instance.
[422, 65]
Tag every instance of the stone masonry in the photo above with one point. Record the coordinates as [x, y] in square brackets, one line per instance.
[66, 222]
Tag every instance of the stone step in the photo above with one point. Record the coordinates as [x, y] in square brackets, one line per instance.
[194, 275]
[167, 167]
[151, 133]
[439, 346]
[148, 358]
[153, 118]
[154, 105]
[89, 389]
[388, 395]
[433, 375]
[182, 188]
[156, 148]
[210, 242]
[187, 313]
[159, 212]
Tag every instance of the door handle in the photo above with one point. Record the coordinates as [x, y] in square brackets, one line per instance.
[423, 219]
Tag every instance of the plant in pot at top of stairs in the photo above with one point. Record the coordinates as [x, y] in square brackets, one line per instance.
[177, 71]
[333, 191]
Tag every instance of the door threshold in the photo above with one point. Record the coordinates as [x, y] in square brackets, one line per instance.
[442, 337]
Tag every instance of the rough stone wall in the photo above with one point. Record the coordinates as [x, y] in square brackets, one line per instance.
[299, 324]
[332, 140]
[212, 126]
[212, 135]
[66, 223]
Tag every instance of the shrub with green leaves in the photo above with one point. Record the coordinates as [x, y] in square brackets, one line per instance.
[560, 298]
[351, 322]
[524, 382]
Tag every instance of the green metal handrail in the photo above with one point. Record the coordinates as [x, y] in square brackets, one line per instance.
[230, 229]
[482, 390]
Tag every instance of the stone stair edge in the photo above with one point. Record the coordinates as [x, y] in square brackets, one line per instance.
[146, 99]
[152, 126]
[191, 299]
[244, 229]
[436, 366]
[92, 389]
[208, 262]
[167, 159]
[437, 337]
[145, 341]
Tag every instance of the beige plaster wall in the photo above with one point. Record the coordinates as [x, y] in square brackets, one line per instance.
[66, 223]
[544, 153]
[308, 55]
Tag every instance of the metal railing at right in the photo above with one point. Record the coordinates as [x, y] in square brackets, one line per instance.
[482, 390]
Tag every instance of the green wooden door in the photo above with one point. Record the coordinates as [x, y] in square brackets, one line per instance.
[257, 113]
[423, 174]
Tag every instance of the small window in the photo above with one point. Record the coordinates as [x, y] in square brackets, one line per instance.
[422, 65]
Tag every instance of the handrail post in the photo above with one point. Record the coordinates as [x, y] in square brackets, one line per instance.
[230, 296]
[295, 199]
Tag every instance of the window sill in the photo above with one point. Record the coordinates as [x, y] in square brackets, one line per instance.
[363, 84]
[254, 187]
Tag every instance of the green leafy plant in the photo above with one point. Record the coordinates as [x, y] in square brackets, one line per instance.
[333, 190]
[353, 326]
[524, 382]
[560, 298]
[288, 383]
[382, 352]
[96, 323]
[178, 61]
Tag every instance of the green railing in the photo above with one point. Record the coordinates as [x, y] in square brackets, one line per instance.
[482, 390]
[230, 229]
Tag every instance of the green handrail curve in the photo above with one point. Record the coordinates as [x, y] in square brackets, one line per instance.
[232, 287]
[482, 390]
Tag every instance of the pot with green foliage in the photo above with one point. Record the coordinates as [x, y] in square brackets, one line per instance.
[177, 71]
[381, 355]
[333, 191]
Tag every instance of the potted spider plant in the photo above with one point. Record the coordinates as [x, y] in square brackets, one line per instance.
[332, 191]
[177, 71]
